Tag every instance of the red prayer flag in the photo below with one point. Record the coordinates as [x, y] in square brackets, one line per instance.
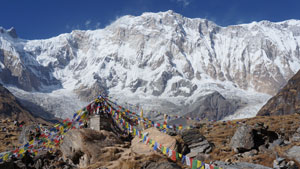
[173, 155]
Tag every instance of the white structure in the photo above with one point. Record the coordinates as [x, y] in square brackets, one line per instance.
[95, 122]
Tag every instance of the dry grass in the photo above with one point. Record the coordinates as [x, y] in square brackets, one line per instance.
[9, 138]
[220, 134]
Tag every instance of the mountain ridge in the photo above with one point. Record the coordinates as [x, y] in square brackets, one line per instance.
[286, 101]
[162, 56]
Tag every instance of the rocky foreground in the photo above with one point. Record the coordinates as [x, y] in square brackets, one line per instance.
[260, 143]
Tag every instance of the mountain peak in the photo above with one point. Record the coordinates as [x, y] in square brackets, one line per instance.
[11, 32]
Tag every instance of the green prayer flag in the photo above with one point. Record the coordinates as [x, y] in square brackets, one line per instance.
[194, 166]
[177, 156]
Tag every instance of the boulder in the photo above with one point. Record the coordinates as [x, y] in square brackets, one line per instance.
[196, 142]
[243, 139]
[140, 148]
[294, 153]
[86, 145]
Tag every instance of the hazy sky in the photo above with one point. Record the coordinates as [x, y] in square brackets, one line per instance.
[37, 19]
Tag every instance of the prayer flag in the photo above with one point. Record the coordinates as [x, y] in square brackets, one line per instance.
[155, 146]
[5, 157]
[183, 159]
[194, 164]
[169, 152]
[177, 156]
[174, 155]
[188, 161]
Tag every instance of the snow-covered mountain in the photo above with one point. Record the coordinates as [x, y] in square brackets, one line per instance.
[162, 61]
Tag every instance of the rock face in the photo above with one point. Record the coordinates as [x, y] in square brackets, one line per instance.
[15, 73]
[287, 101]
[212, 106]
[195, 142]
[243, 139]
[11, 108]
[85, 146]
[164, 139]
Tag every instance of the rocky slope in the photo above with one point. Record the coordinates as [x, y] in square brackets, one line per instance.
[10, 108]
[248, 143]
[12, 111]
[286, 101]
[162, 58]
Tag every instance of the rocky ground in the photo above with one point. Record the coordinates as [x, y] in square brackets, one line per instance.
[9, 134]
[260, 142]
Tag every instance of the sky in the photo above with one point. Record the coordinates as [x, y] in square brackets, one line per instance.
[40, 19]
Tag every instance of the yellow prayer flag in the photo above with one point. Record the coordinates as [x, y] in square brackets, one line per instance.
[141, 114]
[83, 116]
[5, 157]
[21, 151]
[198, 163]
[79, 111]
[180, 127]
[180, 155]
[165, 150]
[31, 142]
